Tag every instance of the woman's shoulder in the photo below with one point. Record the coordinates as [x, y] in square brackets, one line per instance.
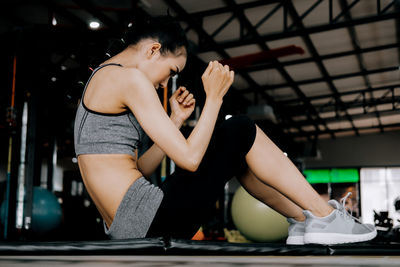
[126, 77]
[124, 82]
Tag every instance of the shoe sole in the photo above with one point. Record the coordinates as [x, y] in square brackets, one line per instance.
[334, 238]
[295, 240]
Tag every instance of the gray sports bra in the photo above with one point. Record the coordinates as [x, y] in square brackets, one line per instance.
[103, 133]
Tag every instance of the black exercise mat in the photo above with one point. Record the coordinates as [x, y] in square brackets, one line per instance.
[161, 246]
[189, 247]
[368, 248]
[143, 246]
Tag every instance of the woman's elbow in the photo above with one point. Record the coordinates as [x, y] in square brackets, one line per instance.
[191, 164]
[193, 167]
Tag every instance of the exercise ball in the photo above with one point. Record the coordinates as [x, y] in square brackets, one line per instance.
[46, 211]
[255, 220]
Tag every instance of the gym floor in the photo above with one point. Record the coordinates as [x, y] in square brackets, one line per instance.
[251, 261]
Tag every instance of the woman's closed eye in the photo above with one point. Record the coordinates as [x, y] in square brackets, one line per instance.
[172, 72]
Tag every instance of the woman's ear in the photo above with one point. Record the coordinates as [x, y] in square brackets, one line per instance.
[154, 49]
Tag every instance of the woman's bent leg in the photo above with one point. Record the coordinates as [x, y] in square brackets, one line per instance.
[325, 223]
[272, 167]
[270, 196]
[278, 202]
[190, 197]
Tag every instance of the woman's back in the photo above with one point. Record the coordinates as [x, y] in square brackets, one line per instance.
[98, 132]
[106, 142]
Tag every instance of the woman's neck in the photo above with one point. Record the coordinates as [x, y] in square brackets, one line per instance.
[127, 58]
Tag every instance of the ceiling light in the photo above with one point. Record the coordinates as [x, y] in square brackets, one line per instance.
[94, 25]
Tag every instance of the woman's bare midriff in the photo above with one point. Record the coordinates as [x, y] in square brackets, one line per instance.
[107, 178]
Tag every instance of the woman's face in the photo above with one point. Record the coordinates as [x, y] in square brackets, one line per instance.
[160, 67]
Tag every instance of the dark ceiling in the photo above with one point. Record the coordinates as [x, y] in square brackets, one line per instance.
[346, 83]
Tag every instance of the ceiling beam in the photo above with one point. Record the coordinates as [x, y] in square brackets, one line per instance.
[226, 9]
[328, 96]
[306, 31]
[359, 116]
[183, 15]
[306, 38]
[317, 80]
[355, 43]
[393, 125]
[358, 103]
[270, 65]
[253, 32]
[397, 8]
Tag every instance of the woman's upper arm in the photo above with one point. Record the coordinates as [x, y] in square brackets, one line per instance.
[139, 95]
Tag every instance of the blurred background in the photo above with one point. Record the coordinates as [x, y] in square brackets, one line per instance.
[320, 77]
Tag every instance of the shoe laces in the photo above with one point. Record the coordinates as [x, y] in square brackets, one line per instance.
[344, 211]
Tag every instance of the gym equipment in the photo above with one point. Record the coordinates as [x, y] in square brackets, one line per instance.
[255, 220]
[11, 120]
[46, 213]
[397, 204]
[21, 186]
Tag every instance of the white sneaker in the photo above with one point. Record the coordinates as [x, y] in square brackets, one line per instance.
[339, 227]
[296, 232]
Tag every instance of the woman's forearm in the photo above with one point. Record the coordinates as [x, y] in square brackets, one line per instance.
[201, 134]
[150, 160]
[216, 81]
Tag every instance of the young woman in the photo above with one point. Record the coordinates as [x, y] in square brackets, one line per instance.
[120, 105]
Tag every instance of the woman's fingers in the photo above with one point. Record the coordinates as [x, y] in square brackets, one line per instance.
[178, 92]
[182, 96]
[224, 71]
[232, 75]
[191, 102]
[208, 69]
[188, 99]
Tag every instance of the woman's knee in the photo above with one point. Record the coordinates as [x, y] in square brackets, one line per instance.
[238, 130]
[240, 125]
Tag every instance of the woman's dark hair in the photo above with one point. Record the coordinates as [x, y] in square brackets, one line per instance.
[164, 29]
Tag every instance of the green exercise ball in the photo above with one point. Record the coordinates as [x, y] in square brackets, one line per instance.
[255, 220]
[46, 211]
